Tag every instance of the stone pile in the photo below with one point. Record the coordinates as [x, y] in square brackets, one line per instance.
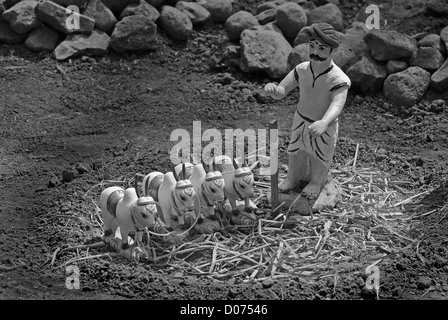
[270, 40]
[97, 26]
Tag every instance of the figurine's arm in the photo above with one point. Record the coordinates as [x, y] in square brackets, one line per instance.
[338, 99]
[288, 83]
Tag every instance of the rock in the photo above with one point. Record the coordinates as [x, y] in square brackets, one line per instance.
[142, 8]
[302, 37]
[423, 283]
[197, 13]
[427, 58]
[433, 41]
[439, 79]
[438, 106]
[220, 10]
[290, 18]
[354, 37]
[116, 6]
[22, 18]
[104, 18]
[308, 6]
[407, 87]
[176, 23]
[5, 5]
[9, 36]
[134, 33]
[266, 16]
[438, 7]
[76, 45]
[42, 39]
[264, 51]
[270, 5]
[271, 26]
[298, 55]
[394, 66]
[237, 23]
[68, 175]
[344, 56]
[444, 36]
[367, 75]
[329, 13]
[56, 16]
[389, 44]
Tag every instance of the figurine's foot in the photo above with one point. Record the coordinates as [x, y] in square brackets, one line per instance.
[311, 191]
[285, 185]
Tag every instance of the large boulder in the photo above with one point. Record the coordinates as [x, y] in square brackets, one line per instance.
[9, 36]
[176, 23]
[22, 18]
[344, 56]
[290, 18]
[197, 13]
[237, 23]
[263, 50]
[439, 79]
[390, 44]
[407, 87]
[76, 45]
[220, 10]
[329, 13]
[134, 33]
[5, 5]
[142, 8]
[367, 75]
[432, 41]
[42, 39]
[56, 16]
[104, 18]
[354, 37]
[428, 58]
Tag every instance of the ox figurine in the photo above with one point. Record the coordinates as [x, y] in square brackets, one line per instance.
[182, 175]
[124, 210]
[209, 185]
[239, 185]
[176, 197]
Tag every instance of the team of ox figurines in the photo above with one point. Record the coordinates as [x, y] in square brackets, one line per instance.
[199, 197]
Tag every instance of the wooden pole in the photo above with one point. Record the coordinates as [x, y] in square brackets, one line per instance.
[273, 160]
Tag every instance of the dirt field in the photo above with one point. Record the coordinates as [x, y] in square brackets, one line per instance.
[68, 127]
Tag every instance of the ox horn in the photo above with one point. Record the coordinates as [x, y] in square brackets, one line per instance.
[235, 165]
[184, 172]
[174, 172]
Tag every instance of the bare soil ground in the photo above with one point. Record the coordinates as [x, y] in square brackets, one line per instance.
[68, 127]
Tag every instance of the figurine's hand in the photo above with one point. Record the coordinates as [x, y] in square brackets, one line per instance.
[274, 91]
[318, 128]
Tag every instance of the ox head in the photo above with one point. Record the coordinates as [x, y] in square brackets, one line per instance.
[213, 184]
[183, 197]
[143, 213]
[243, 180]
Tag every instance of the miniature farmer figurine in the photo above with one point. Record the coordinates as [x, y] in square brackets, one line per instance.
[323, 91]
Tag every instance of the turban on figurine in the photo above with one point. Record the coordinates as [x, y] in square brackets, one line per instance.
[324, 33]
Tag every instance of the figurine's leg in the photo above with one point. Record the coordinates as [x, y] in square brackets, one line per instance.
[319, 174]
[296, 170]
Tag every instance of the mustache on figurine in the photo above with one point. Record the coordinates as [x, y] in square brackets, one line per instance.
[317, 58]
